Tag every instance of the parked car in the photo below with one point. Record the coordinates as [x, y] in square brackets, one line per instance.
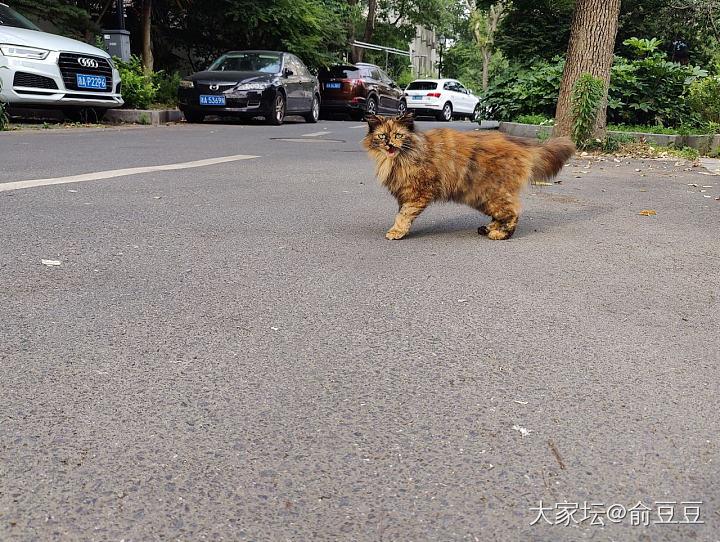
[42, 70]
[442, 99]
[270, 84]
[359, 89]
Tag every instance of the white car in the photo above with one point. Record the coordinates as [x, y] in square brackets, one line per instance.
[441, 98]
[41, 70]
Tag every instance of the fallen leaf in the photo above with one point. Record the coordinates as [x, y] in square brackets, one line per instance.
[647, 213]
[543, 184]
[51, 263]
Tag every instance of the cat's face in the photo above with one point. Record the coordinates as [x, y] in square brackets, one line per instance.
[390, 137]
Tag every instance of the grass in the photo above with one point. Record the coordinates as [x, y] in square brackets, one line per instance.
[683, 130]
[534, 119]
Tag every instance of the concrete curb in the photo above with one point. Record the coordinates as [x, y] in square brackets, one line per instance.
[154, 117]
[704, 143]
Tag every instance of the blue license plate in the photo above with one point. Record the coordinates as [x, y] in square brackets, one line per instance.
[211, 99]
[417, 97]
[91, 81]
[332, 85]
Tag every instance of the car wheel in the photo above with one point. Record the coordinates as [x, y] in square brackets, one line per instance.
[277, 115]
[85, 114]
[402, 108]
[193, 116]
[446, 114]
[314, 113]
[372, 105]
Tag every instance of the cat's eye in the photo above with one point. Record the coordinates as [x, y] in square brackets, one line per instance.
[399, 135]
[381, 136]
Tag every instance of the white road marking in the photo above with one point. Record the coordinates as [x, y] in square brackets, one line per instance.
[315, 134]
[359, 126]
[100, 175]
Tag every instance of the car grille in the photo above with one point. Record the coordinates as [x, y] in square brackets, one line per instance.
[69, 68]
[23, 79]
[222, 87]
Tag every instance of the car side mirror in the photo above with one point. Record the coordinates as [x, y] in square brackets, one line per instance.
[287, 72]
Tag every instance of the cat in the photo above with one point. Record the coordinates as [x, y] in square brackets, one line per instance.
[485, 170]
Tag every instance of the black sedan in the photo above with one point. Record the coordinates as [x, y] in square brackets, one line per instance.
[268, 84]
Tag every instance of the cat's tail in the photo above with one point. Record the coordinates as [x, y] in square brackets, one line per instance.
[550, 157]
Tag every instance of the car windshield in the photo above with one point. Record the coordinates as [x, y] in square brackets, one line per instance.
[247, 62]
[8, 17]
[422, 85]
[343, 72]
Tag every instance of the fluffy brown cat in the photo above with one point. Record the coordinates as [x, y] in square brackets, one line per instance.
[485, 170]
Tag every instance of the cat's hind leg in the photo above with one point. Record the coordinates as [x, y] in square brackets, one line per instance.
[504, 220]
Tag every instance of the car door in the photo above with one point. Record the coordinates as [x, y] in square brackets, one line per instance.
[308, 83]
[456, 97]
[464, 97]
[382, 89]
[392, 93]
[292, 81]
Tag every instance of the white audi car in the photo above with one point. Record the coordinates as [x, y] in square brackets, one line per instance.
[443, 99]
[42, 70]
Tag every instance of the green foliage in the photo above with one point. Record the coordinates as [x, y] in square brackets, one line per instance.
[167, 88]
[587, 95]
[4, 119]
[138, 90]
[69, 17]
[534, 119]
[704, 98]
[525, 91]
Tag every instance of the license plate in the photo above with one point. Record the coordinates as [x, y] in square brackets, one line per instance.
[211, 99]
[332, 85]
[91, 81]
[417, 97]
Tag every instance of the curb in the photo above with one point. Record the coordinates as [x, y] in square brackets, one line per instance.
[154, 117]
[704, 143]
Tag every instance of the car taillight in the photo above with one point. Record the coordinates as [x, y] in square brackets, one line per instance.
[434, 94]
[353, 82]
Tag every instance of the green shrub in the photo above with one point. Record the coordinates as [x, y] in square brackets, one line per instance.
[587, 95]
[4, 119]
[645, 89]
[167, 88]
[138, 90]
[534, 119]
[704, 98]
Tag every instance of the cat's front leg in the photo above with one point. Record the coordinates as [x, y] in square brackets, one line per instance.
[404, 218]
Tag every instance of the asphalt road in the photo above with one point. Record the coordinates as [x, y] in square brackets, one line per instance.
[235, 351]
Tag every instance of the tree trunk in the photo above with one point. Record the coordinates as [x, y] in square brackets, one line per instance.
[146, 24]
[369, 28]
[590, 50]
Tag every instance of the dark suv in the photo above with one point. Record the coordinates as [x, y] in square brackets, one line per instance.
[357, 89]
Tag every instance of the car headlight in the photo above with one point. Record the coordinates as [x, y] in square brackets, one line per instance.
[24, 52]
[186, 84]
[251, 86]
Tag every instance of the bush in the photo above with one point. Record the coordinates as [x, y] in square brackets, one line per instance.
[138, 90]
[534, 119]
[704, 98]
[644, 89]
[167, 88]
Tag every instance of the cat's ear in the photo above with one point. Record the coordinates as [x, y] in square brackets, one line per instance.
[407, 120]
[374, 121]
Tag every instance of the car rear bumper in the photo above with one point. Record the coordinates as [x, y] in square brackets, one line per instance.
[40, 83]
[343, 106]
[427, 109]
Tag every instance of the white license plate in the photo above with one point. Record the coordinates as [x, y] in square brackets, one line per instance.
[211, 99]
[91, 81]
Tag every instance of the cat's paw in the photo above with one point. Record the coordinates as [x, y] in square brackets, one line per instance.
[395, 234]
[498, 235]
[483, 230]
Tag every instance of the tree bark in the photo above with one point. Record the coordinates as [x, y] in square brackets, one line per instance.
[146, 25]
[590, 50]
[369, 28]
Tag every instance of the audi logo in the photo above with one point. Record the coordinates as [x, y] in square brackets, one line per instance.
[88, 62]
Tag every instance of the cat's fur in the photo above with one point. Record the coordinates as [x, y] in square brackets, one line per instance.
[485, 170]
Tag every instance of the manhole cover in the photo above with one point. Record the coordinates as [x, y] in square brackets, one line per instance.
[307, 140]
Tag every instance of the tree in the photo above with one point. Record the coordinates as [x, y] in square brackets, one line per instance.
[484, 25]
[590, 51]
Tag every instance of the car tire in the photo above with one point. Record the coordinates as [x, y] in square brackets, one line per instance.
[314, 114]
[371, 107]
[277, 115]
[85, 114]
[446, 113]
[193, 117]
[402, 108]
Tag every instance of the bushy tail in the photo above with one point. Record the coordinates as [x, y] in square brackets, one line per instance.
[550, 157]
